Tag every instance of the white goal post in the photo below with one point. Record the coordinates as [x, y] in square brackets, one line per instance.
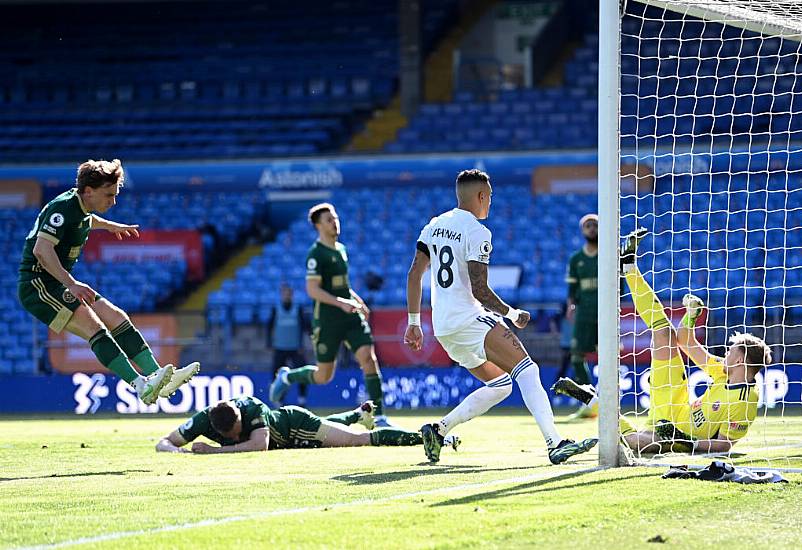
[684, 137]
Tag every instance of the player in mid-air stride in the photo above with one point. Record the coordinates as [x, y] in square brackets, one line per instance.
[246, 424]
[50, 293]
[714, 422]
[468, 323]
[340, 316]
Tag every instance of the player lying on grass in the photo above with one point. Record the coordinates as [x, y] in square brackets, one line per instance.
[49, 292]
[246, 424]
[467, 319]
[712, 423]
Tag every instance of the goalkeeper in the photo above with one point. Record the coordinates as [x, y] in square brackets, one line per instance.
[246, 424]
[712, 423]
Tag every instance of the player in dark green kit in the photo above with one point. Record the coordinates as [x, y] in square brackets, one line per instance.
[340, 316]
[582, 279]
[48, 291]
[246, 424]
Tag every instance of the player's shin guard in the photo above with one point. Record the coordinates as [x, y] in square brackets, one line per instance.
[395, 437]
[478, 402]
[647, 304]
[135, 348]
[527, 375]
[302, 375]
[111, 356]
[373, 386]
[346, 418]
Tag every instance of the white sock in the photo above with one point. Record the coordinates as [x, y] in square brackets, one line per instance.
[477, 403]
[527, 375]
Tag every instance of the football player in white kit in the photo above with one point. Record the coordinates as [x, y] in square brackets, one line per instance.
[468, 319]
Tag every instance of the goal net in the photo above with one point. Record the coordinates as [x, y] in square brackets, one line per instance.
[710, 145]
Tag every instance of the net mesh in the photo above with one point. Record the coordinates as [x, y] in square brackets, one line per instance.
[711, 152]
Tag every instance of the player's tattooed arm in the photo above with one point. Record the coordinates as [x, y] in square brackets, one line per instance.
[477, 272]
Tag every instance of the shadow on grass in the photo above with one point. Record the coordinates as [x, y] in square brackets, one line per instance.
[76, 474]
[427, 470]
[537, 487]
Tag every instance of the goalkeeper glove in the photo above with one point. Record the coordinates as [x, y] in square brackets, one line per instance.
[693, 309]
[668, 433]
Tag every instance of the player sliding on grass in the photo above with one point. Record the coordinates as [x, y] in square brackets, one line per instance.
[340, 316]
[467, 319]
[51, 294]
[722, 416]
[247, 424]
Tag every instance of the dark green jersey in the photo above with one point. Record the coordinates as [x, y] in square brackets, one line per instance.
[255, 415]
[583, 283]
[330, 265]
[63, 221]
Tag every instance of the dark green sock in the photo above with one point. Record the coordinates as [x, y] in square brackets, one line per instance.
[373, 385]
[581, 369]
[111, 356]
[347, 418]
[135, 348]
[302, 375]
[395, 437]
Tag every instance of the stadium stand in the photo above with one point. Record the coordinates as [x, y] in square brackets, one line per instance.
[565, 117]
[380, 235]
[234, 79]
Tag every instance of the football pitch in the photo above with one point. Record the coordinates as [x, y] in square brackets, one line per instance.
[98, 483]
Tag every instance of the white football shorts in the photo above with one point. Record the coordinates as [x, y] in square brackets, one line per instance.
[467, 345]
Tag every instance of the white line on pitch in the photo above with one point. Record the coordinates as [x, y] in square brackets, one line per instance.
[292, 511]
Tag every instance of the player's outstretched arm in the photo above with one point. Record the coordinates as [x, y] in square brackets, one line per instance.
[119, 229]
[712, 446]
[686, 332]
[257, 442]
[172, 443]
[477, 271]
[413, 337]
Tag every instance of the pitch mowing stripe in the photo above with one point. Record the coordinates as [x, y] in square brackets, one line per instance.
[294, 511]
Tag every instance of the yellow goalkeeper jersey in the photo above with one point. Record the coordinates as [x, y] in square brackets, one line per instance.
[725, 410]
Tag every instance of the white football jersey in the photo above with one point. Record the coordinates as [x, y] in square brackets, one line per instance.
[454, 238]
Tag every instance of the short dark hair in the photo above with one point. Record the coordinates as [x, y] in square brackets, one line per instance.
[99, 173]
[316, 211]
[756, 352]
[472, 176]
[223, 417]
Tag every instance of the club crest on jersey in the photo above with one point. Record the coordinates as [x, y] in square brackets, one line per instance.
[716, 406]
[57, 220]
[68, 297]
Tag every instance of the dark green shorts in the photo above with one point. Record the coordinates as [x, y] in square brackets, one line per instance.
[353, 330]
[294, 427]
[585, 338]
[47, 300]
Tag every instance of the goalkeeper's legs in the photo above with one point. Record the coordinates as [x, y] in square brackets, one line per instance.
[668, 386]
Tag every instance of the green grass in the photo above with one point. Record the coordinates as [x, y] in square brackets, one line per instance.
[497, 491]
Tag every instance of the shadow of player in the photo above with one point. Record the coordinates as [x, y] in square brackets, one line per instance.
[537, 487]
[427, 470]
[76, 474]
